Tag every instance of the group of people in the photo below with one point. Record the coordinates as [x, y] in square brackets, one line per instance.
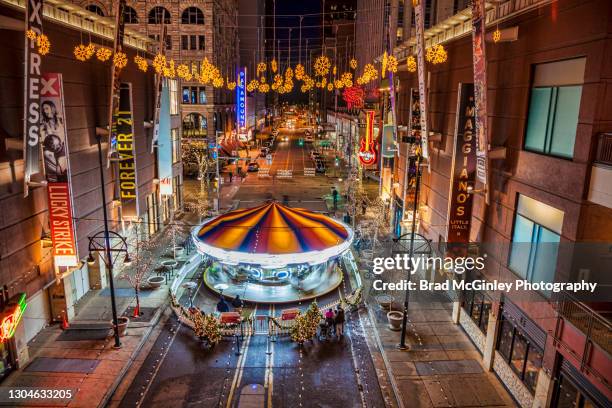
[334, 320]
[223, 306]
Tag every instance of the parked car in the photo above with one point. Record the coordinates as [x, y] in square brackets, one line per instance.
[253, 166]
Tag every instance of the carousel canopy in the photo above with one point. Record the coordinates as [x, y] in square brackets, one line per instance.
[272, 235]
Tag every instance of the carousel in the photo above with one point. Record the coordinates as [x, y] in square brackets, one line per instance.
[273, 253]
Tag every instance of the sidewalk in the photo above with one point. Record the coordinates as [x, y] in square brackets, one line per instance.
[82, 358]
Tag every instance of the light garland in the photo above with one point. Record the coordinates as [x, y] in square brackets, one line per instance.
[103, 54]
[436, 54]
[183, 72]
[169, 71]
[217, 82]
[80, 52]
[44, 44]
[141, 63]
[231, 85]
[120, 60]
[322, 65]
[411, 64]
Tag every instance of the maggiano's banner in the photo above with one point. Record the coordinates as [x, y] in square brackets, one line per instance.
[31, 95]
[480, 88]
[128, 185]
[463, 172]
[55, 155]
[419, 17]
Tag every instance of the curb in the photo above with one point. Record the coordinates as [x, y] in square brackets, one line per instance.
[111, 391]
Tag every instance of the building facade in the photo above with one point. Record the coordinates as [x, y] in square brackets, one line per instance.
[27, 265]
[550, 213]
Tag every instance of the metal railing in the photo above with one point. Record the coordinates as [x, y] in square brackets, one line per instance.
[604, 149]
[596, 328]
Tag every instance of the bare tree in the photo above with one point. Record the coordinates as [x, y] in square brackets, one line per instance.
[196, 152]
[142, 264]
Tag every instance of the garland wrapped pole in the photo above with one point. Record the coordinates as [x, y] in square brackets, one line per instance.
[306, 324]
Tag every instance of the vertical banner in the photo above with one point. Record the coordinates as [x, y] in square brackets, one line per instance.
[128, 185]
[241, 100]
[158, 89]
[414, 141]
[114, 83]
[164, 146]
[367, 149]
[463, 172]
[480, 89]
[31, 96]
[57, 170]
[419, 18]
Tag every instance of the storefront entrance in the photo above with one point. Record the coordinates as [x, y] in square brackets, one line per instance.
[7, 360]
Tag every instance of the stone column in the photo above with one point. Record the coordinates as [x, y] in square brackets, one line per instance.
[543, 390]
[488, 354]
[407, 33]
[455, 316]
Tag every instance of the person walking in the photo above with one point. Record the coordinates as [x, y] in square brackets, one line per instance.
[222, 306]
[231, 176]
[339, 321]
[329, 319]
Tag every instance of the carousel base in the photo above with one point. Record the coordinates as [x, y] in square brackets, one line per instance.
[261, 293]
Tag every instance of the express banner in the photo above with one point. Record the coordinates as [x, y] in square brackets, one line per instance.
[115, 83]
[480, 87]
[128, 185]
[31, 95]
[164, 146]
[463, 171]
[419, 14]
[57, 170]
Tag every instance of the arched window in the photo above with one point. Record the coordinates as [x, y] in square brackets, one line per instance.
[158, 13]
[130, 16]
[192, 15]
[95, 9]
[195, 125]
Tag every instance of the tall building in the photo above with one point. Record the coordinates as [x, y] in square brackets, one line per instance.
[550, 212]
[28, 265]
[194, 30]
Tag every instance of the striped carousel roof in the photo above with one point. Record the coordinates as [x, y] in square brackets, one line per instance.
[272, 229]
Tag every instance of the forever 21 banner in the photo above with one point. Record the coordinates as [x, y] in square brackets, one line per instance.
[128, 185]
[463, 172]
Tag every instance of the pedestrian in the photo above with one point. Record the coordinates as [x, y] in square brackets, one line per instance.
[222, 306]
[238, 303]
[364, 206]
[231, 176]
[339, 321]
[329, 317]
[335, 197]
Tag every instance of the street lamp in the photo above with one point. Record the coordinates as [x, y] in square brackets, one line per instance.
[402, 345]
[101, 242]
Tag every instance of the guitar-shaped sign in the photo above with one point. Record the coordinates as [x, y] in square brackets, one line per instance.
[367, 150]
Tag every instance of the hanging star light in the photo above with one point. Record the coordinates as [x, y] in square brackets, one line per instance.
[353, 63]
[264, 88]
[436, 54]
[169, 71]
[411, 64]
[91, 50]
[392, 64]
[496, 35]
[31, 34]
[120, 60]
[44, 44]
[103, 54]
[274, 66]
[182, 71]
[383, 64]
[347, 79]
[80, 52]
[322, 65]
[299, 72]
[159, 62]
[330, 87]
[231, 85]
[261, 67]
[262, 79]
[141, 63]
[217, 82]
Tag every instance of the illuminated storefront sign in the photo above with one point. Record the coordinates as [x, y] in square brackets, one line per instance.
[128, 186]
[31, 142]
[480, 88]
[57, 170]
[463, 170]
[241, 99]
[367, 150]
[11, 317]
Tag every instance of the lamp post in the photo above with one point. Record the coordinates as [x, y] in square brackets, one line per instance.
[100, 242]
[402, 345]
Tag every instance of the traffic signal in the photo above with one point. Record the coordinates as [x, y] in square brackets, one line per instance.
[337, 161]
[301, 142]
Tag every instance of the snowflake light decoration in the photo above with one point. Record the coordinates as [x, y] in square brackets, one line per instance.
[103, 54]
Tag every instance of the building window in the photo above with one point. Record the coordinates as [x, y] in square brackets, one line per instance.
[129, 15]
[185, 94]
[569, 395]
[93, 8]
[195, 126]
[152, 213]
[192, 15]
[202, 96]
[177, 192]
[554, 106]
[523, 356]
[201, 42]
[478, 306]
[173, 91]
[535, 240]
[176, 145]
[159, 14]
[193, 42]
[168, 40]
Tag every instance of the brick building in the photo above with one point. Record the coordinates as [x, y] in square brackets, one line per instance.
[550, 191]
